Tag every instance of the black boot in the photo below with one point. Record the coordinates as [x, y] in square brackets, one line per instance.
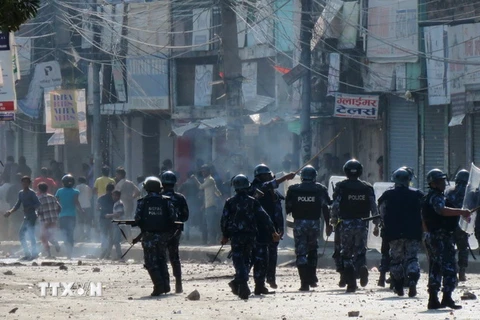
[447, 301]
[157, 281]
[178, 285]
[261, 289]
[363, 272]
[412, 284]
[166, 278]
[461, 275]
[234, 286]
[312, 276]
[243, 291]
[343, 281]
[412, 290]
[433, 302]
[304, 278]
[398, 287]
[351, 280]
[381, 280]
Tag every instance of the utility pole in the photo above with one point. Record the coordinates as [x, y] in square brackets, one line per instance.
[306, 25]
[96, 112]
[232, 70]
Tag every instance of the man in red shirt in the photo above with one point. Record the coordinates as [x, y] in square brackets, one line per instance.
[52, 186]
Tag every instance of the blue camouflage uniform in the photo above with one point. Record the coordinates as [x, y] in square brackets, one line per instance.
[400, 209]
[155, 215]
[181, 207]
[353, 200]
[455, 198]
[440, 243]
[306, 201]
[242, 215]
[266, 250]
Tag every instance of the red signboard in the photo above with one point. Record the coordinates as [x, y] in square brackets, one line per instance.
[7, 106]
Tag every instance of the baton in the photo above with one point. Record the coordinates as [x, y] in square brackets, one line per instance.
[372, 218]
[219, 250]
[321, 150]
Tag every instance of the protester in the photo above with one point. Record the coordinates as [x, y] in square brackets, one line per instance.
[48, 215]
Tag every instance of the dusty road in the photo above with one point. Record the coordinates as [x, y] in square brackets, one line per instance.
[126, 289]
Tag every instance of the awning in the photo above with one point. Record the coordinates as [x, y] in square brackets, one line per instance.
[324, 27]
[259, 103]
[180, 131]
[58, 138]
[456, 120]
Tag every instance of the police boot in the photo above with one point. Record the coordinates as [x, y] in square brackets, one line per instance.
[234, 286]
[243, 291]
[178, 285]
[351, 280]
[381, 280]
[461, 275]
[261, 289]
[343, 280]
[165, 278]
[312, 276]
[304, 278]
[157, 281]
[433, 302]
[398, 287]
[412, 284]
[447, 301]
[363, 272]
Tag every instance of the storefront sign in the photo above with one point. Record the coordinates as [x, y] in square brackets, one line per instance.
[356, 106]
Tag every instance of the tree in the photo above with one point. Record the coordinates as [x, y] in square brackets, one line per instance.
[13, 13]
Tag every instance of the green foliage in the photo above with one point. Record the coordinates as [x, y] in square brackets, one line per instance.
[13, 13]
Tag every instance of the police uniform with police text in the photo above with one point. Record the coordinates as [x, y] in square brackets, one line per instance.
[155, 215]
[306, 201]
[352, 201]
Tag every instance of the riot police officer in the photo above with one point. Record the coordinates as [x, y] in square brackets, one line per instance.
[169, 179]
[455, 198]
[241, 217]
[156, 215]
[353, 200]
[400, 209]
[306, 201]
[271, 203]
[440, 223]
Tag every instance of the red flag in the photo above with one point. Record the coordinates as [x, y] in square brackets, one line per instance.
[282, 69]
[221, 75]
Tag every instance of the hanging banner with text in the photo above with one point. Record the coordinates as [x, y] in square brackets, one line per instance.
[63, 109]
[356, 106]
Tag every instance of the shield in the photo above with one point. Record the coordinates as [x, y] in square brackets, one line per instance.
[331, 186]
[372, 241]
[471, 201]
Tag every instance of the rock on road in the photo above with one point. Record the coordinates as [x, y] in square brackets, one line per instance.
[126, 290]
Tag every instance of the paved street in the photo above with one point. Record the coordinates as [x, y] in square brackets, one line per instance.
[126, 289]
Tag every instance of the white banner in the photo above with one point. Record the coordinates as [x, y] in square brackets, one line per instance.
[471, 44]
[436, 47]
[203, 85]
[24, 51]
[7, 90]
[456, 71]
[333, 74]
[392, 31]
[201, 29]
[356, 106]
[118, 81]
[249, 86]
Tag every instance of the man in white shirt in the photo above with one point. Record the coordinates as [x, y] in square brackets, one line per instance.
[85, 221]
[212, 213]
[129, 195]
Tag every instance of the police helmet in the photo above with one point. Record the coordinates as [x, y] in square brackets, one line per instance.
[68, 181]
[152, 184]
[261, 169]
[435, 174]
[168, 177]
[401, 177]
[353, 168]
[240, 182]
[462, 176]
[410, 171]
[308, 173]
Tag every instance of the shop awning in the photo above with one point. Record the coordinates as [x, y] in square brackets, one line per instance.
[456, 120]
[58, 138]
